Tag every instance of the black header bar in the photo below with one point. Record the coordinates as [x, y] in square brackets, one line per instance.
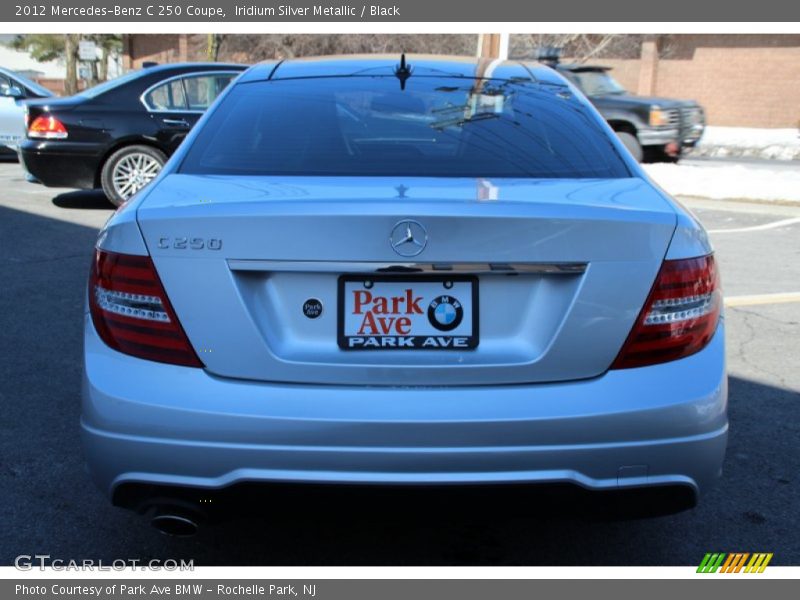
[443, 11]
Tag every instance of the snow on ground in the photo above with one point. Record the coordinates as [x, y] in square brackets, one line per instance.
[719, 180]
[780, 144]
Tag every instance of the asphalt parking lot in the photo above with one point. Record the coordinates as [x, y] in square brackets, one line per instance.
[49, 506]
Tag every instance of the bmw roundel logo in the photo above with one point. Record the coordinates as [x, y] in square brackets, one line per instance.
[445, 313]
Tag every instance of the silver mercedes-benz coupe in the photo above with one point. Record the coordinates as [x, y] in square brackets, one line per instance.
[389, 271]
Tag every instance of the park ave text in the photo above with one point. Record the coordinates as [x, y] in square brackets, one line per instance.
[177, 589]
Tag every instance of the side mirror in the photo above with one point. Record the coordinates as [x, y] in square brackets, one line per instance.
[12, 91]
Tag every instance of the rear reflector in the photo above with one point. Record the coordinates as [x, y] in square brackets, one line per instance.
[47, 127]
[679, 317]
[131, 311]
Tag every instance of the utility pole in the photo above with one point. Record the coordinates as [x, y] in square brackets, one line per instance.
[71, 57]
[493, 45]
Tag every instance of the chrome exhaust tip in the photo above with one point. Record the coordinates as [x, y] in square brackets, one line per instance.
[174, 525]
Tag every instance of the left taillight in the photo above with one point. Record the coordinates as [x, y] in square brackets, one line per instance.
[47, 127]
[131, 312]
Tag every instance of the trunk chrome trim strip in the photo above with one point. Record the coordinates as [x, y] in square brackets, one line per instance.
[405, 267]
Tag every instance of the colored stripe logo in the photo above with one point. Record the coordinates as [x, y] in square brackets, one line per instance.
[734, 562]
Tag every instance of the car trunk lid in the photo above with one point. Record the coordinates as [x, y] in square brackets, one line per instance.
[562, 269]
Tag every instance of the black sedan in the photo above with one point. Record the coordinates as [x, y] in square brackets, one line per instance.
[118, 135]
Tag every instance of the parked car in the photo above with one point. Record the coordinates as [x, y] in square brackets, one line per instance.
[14, 90]
[117, 135]
[366, 271]
[652, 128]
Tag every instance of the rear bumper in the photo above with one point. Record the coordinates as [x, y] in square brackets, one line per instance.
[151, 424]
[61, 163]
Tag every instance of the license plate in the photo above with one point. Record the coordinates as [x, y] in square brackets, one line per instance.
[404, 313]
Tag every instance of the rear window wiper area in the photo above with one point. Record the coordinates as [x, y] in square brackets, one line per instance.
[460, 122]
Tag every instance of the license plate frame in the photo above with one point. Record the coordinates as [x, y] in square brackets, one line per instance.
[440, 343]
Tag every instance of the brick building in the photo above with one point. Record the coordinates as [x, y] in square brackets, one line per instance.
[742, 80]
[138, 48]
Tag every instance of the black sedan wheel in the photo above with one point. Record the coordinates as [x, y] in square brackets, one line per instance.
[128, 170]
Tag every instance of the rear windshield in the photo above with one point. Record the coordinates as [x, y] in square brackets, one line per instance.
[435, 127]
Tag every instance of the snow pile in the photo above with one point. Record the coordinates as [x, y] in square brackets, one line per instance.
[718, 181]
[779, 144]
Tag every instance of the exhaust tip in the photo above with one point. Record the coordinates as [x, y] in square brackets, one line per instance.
[175, 525]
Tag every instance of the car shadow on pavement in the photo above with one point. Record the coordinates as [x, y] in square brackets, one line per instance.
[50, 505]
[94, 199]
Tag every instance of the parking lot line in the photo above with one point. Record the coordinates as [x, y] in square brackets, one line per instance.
[772, 225]
[756, 299]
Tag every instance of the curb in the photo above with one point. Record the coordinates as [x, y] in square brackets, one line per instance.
[781, 153]
[763, 202]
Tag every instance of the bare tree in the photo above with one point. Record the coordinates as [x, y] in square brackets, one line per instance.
[111, 47]
[579, 47]
[46, 47]
[213, 44]
[252, 48]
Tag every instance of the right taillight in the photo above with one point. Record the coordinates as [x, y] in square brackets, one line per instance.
[131, 312]
[679, 317]
[47, 127]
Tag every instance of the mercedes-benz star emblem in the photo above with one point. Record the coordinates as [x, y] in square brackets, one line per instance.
[408, 238]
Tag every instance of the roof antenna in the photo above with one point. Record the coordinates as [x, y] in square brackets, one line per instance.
[403, 71]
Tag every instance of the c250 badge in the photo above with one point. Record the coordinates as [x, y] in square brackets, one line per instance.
[189, 243]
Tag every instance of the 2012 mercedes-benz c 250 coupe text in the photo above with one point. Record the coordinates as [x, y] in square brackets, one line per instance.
[377, 271]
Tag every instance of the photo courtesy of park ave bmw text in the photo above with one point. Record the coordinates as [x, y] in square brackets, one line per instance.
[400, 289]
